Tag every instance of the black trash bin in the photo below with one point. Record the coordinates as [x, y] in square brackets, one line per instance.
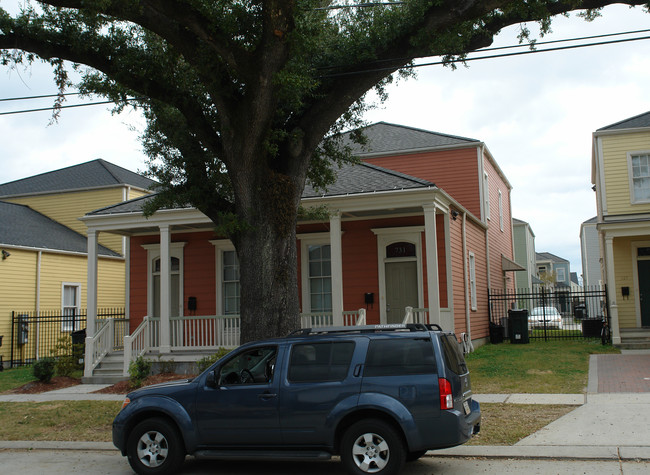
[78, 345]
[497, 333]
[580, 311]
[518, 326]
[591, 327]
[2, 367]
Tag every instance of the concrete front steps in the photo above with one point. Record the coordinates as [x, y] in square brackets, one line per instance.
[109, 371]
[635, 339]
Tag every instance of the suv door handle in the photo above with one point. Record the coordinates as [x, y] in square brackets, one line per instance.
[266, 396]
[357, 370]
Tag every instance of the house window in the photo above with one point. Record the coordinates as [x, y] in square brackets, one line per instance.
[70, 306]
[230, 285]
[500, 211]
[472, 281]
[486, 195]
[640, 177]
[174, 267]
[320, 278]
[561, 275]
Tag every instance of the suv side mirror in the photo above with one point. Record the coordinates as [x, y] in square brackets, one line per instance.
[211, 380]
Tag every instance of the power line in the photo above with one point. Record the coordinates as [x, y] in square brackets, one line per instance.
[352, 73]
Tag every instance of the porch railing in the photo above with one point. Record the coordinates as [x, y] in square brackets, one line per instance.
[102, 343]
[416, 315]
[139, 342]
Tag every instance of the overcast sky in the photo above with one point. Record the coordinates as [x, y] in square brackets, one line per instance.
[536, 113]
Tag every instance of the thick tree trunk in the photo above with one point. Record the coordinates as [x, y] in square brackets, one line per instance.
[267, 252]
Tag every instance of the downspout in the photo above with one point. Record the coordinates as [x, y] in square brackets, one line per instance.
[38, 300]
[468, 330]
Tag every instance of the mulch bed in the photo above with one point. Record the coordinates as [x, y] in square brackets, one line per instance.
[60, 382]
[35, 387]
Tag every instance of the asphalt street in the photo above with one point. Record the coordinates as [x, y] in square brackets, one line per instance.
[112, 463]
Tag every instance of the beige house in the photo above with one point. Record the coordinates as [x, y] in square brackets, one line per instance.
[43, 246]
[621, 175]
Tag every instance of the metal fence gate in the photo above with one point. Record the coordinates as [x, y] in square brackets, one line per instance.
[36, 335]
[581, 313]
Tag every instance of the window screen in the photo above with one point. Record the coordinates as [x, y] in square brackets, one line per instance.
[400, 356]
[312, 362]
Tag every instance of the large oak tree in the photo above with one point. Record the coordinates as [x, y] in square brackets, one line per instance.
[243, 98]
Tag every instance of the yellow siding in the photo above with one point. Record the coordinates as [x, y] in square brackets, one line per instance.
[133, 194]
[67, 208]
[615, 166]
[624, 270]
[17, 288]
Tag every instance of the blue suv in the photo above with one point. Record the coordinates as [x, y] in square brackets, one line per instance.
[377, 395]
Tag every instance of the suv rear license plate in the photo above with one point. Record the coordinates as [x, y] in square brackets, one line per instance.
[466, 408]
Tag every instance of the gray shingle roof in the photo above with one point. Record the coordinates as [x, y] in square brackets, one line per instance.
[367, 178]
[547, 256]
[384, 137]
[351, 179]
[22, 226]
[93, 174]
[638, 121]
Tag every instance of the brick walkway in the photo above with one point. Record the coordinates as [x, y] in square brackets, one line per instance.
[623, 373]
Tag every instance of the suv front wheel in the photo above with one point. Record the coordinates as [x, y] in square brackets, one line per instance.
[372, 446]
[155, 448]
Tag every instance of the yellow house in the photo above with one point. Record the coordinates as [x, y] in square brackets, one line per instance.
[43, 254]
[621, 175]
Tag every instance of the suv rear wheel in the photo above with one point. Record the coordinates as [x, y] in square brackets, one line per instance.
[372, 446]
[155, 448]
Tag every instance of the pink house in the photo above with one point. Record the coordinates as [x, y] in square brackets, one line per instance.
[417, 232]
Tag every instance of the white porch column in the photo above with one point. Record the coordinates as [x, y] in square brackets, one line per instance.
[336, 257]
[91, 300]
[611, 290]
[165, 289]
[431, 242]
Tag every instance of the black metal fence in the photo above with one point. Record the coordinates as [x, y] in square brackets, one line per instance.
[547, 314]
[36, 335]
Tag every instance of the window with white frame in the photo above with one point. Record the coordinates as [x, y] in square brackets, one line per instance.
[320, 278]
[500, 211]
[175, 279]
[561, 274]
[472, 281]
[639, 164]
[486, 195]
[70, 306]
[230, 283]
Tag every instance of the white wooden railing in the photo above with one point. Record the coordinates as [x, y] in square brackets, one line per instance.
[211, 332]
[416, 315]
[139, 342]
[99, 345]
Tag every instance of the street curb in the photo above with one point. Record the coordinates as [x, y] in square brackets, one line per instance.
[55, 445]
[546, 452]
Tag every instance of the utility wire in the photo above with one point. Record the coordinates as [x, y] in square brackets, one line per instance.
[353, 73]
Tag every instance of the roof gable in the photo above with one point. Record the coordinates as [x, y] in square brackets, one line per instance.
[94, 174]
[636, 122]
[24, 227]
[384, 137]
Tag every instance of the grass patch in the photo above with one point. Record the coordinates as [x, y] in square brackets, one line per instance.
[58, 420]
[537, 368]
[507, 424]
[16, 377]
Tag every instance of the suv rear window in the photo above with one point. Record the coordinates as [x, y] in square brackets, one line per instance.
[313, 362]
[453, 356]
[400, 356]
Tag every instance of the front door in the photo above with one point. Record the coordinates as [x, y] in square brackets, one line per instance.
[401, 289]
[644, 291]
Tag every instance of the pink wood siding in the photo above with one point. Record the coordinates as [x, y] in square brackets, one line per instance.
[455, 171]
[500, 241]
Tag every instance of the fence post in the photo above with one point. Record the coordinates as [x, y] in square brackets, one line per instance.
[127, 355]
[13, 325]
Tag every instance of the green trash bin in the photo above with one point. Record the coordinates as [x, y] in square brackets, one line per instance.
[518, 326]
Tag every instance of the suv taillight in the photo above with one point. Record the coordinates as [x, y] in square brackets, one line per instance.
[446, 398]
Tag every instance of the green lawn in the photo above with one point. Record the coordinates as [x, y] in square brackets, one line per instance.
[538, 367]
[13, 378]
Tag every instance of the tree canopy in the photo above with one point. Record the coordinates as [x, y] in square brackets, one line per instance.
[243, 98]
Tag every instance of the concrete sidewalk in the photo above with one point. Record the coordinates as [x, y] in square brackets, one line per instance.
[612, 425]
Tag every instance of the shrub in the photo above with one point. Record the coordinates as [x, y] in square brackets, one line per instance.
[66, 362]
[139, 369]
[44, 369]
[207, 361]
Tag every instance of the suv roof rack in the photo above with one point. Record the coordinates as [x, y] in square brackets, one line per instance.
[412, 327]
